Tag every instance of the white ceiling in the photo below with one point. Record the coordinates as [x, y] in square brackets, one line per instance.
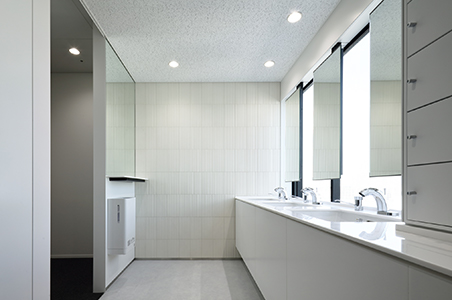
[213, 40]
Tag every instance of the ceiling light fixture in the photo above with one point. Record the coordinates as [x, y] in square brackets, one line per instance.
[269, 64]
[294, 17]
[173, 64]
[74, 51]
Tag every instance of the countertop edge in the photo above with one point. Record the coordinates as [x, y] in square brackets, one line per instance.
[126, 178]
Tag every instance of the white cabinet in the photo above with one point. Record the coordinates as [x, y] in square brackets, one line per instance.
[322, 266]
[424, 284]
[271, 254]
[432, 18]
[246, 233]
[432, 70]
[431, 126]
[427, 114]
[261, 241]
[291, 261]
[432, 202]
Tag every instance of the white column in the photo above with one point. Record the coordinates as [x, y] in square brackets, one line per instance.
[25, 149]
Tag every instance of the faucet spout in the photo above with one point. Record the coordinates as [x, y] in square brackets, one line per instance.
[381, 202]
[310, 191]
[281, 193]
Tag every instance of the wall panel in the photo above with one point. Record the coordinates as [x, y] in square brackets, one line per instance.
[200, 144]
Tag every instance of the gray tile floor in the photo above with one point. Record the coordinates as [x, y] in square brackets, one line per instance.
[184, 280]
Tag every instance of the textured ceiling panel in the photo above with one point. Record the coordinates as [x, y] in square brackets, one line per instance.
[115, 69]
[213, 40]
[386, 41]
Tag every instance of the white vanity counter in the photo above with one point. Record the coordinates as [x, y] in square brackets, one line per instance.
[414, 245]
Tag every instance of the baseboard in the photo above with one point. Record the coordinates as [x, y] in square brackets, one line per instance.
[71, 256]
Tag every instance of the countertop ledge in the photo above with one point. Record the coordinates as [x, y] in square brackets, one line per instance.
[424, 247]
[127, 178]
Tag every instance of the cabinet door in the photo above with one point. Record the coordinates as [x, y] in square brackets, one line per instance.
[271, 248]
[432, 70]
[432, 202]
[432, 127]
[246, 233]
[321, 266]
[432, 18]
[424, 284]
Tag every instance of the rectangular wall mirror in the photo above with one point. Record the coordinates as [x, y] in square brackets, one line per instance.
[327, 118]
[386, 89]
[120, 117]
[293, 137]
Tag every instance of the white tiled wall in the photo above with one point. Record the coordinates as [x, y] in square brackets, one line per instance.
[200, 144]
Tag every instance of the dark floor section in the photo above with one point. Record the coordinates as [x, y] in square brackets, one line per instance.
[72, 279]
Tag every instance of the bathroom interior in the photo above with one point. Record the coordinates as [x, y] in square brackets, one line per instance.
[265, 170]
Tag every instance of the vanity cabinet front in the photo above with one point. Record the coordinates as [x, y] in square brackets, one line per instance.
[291, 261]
[261, 241]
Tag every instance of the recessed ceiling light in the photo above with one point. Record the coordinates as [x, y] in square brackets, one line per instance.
[269, 64]
[294, 17]
[74, 51]
[173, 64]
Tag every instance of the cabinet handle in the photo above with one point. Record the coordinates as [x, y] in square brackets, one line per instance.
[411, 137]
[411, 193]
[411, 80]
[411, 24]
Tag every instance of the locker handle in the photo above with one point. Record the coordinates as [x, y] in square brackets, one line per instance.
[411, 80]
[411, 24]
[411, 137]
[119, 214]
[411, 193]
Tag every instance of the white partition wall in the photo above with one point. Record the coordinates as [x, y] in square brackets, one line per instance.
[99, 163]
[25, 149]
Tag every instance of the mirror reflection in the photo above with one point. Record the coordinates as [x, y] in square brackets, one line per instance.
[327, 118]
[120, 117]
[386, 89]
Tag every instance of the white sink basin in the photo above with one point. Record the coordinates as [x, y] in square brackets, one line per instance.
[346, 216]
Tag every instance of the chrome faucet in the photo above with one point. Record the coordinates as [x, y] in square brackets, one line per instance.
[381, 203]
[310, 191]
[281, 193]
[358, 203]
